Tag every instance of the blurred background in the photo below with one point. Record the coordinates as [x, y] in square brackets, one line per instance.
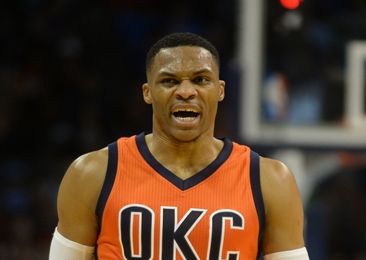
[70, 82]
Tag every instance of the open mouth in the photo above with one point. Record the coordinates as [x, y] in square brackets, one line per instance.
[185, 115]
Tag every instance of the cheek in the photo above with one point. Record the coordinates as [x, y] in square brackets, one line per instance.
[161, 100]
[214, 105]
[160, 108]
[214, 99]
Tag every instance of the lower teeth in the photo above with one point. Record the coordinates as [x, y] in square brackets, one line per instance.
[186, 118]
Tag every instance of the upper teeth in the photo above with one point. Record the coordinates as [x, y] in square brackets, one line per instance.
[185, 110]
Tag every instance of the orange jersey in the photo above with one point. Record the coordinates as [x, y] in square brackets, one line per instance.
[146, 212]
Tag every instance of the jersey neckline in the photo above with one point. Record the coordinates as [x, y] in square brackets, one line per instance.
[171, 177]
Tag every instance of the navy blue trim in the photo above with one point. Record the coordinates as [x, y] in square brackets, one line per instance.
[257, 193]
[96, 254]
[108, 181]
[171, 177]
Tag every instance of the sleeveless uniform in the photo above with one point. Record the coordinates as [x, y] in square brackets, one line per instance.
[146, 212]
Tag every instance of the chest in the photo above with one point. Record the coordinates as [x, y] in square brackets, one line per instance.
[155, 215]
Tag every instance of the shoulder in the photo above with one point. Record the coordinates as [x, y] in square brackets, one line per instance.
[277, 182]
[283, 207]
[78, 195]
[89, 168]
[274, 171]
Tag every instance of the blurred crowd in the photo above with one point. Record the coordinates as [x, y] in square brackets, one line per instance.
[305, 52]
[70, 82]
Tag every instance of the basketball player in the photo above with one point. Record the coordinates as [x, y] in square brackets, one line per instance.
[179, 192]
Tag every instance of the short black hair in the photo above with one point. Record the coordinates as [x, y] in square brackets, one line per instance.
[181, 39]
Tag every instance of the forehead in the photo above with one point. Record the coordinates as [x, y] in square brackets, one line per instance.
[183, 59]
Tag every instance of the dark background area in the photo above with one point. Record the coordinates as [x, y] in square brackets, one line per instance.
[307, 47]
[70, 82]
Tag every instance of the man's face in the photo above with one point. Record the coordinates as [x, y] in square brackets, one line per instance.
[184, 90]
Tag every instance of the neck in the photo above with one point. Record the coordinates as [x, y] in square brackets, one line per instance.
[184, 159]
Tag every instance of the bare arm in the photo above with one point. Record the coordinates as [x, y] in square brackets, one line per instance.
[283, 208]
[78, 195]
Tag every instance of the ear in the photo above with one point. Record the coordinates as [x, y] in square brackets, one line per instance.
[146, 93]
[221, 90]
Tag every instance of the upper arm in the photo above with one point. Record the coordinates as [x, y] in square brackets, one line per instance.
[77, 197]
[283, 208]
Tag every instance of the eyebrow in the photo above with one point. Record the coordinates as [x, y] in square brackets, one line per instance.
[203, 71]
[169, 74]
[165, 73]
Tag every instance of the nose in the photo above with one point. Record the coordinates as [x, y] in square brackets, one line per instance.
[186, 90]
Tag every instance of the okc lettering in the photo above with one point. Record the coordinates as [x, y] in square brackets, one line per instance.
[173, 232]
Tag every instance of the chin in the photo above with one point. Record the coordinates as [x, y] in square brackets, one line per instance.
[186, 135]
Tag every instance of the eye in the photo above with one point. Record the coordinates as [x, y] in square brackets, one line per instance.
[169, 82]
[201, 80]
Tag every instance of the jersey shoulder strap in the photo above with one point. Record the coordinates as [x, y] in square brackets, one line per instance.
[257, 191]
[108, 181]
